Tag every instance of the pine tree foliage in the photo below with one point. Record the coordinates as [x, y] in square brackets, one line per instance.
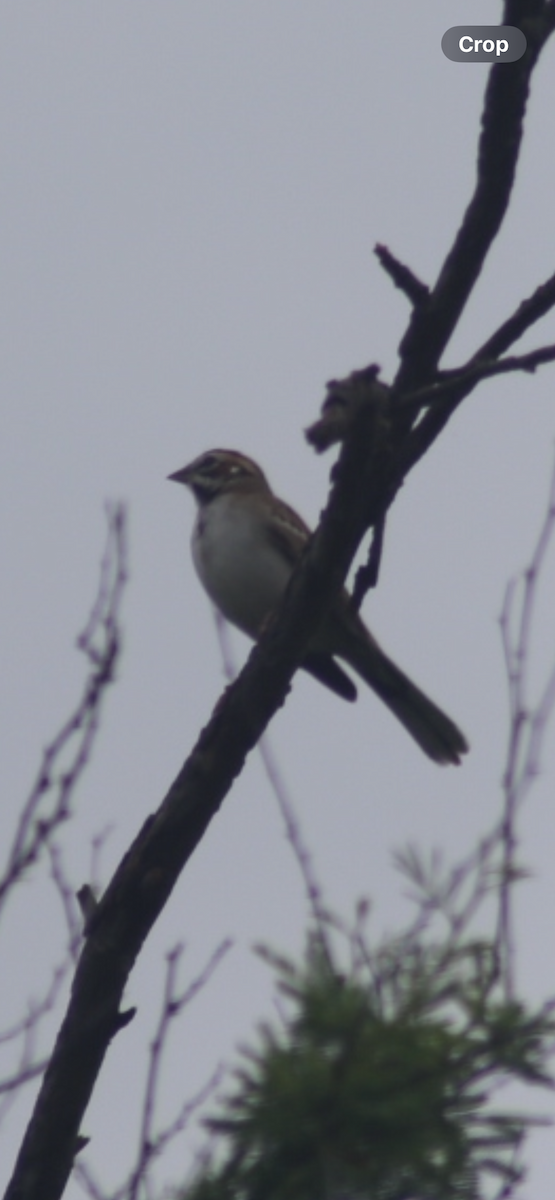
[381, 1082]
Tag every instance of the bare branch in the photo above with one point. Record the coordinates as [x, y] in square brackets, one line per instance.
[527, 727]
[152, 1145]
[491, 868]
[528, 312]
[433, 322]
[290, 820]
[434, 421]
[89, 1183]
[37, 1009]
[374, 459]
[25, 1031]
[465, 378]
[66, 894]
[402, 276]
[100, 642]
[147, 874]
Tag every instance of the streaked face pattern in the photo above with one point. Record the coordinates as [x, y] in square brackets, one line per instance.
[215, 470]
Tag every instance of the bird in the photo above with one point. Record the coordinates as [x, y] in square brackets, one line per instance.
[245, 545]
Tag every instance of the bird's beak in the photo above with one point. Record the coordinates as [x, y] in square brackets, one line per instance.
[181, 476]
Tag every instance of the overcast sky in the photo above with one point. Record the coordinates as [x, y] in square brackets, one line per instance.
[190, 197]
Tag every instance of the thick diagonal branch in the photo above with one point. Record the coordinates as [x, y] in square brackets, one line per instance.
[434, 321]
[149, 871]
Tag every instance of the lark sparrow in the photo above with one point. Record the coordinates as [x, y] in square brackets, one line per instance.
[245, 545]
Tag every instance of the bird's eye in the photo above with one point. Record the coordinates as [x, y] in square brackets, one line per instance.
[209, 462]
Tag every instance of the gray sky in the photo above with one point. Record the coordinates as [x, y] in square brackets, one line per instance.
[190, 197]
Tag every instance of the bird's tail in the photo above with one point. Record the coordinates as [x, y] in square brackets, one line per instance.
[435, 732]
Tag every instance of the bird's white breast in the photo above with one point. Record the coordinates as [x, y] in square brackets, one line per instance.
[242, 571]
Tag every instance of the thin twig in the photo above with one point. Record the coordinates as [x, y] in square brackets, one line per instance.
[471, 374]
[277, 783]
[365, 486]
[66, 894]
[152, 1145]
[490, 869]
[528, 312]
[100, 642]
[97, 846]
[402, 276]
[527, 727]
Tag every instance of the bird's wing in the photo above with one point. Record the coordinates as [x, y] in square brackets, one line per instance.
[288, 532]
